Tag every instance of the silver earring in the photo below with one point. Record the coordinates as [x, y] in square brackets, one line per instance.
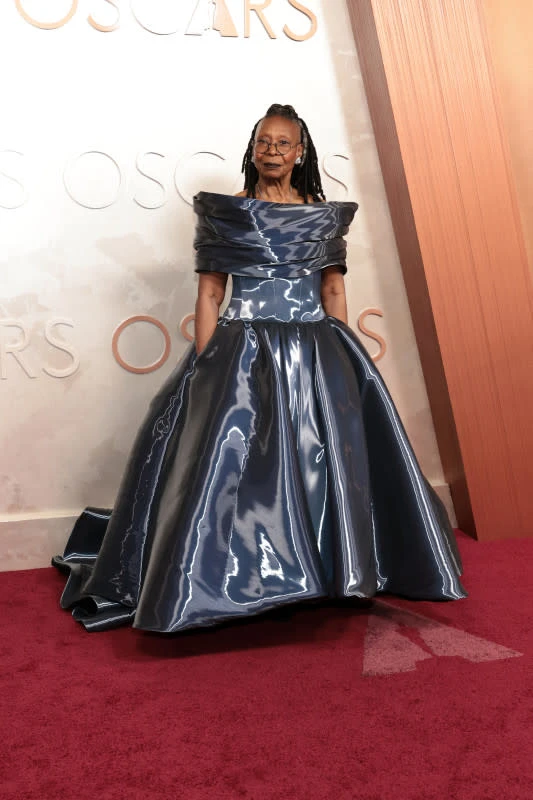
[298, 160]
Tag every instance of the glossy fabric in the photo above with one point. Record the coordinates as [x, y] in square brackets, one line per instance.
[271, 469]
[255, 238]
[277, 299]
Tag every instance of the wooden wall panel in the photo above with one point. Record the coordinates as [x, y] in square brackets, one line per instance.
[430, 88]
[509, 26]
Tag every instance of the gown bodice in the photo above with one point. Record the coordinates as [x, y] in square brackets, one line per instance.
[279, 299]
[274, 251]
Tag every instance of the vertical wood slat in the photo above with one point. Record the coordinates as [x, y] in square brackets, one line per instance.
[431, 93]
[509, 27]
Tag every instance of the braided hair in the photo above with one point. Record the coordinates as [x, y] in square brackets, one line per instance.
[305, 176]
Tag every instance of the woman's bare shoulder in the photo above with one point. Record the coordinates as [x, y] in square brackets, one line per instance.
[241, 194]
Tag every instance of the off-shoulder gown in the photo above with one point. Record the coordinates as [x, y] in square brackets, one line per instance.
[271, 469]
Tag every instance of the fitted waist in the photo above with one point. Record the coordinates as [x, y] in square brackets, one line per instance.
[282, 299]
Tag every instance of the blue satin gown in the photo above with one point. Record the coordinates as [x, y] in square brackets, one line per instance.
[271, 469]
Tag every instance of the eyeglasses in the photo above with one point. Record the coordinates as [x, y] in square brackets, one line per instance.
[263, 146]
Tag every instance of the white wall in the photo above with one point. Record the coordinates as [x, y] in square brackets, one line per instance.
[148, 102]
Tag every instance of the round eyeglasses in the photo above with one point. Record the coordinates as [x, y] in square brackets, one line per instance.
[282, 148]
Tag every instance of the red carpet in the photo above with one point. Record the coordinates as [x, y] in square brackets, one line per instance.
[429, 702]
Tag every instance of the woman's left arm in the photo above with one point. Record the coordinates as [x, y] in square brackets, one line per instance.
[333, 294]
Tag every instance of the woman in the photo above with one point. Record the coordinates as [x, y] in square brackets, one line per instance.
[272, 466]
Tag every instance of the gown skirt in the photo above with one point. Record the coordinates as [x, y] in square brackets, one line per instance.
[273, 468]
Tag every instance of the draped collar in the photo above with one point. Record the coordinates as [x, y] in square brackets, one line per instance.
[246, 236]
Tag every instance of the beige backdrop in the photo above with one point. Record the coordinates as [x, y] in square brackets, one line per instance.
[106, 137]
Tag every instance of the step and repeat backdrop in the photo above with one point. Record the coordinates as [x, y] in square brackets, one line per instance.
[115, 113]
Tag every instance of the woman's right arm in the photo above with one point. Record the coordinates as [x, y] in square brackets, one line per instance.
[211, 291]
[334, 294]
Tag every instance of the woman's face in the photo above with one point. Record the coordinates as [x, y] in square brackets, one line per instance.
[277, 130]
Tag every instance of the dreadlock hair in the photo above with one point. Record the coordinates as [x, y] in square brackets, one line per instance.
[305, 176]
